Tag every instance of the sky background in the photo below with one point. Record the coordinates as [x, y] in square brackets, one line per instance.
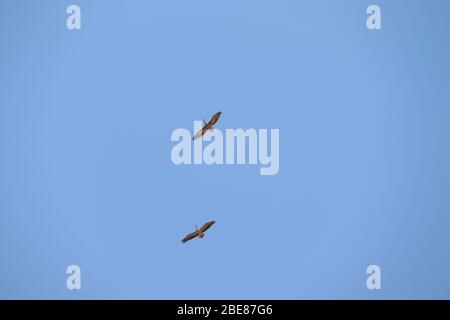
[86, 176]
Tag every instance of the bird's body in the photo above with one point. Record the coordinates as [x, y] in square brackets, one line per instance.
[207, 125]
[199, 232]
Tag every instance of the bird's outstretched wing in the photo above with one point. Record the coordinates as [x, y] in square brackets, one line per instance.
[207, 126]
[206, 226]
[215, 118]
[189, 237]
[200, 133]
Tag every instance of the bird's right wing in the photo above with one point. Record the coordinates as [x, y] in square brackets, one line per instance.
[201, 132]
[189, 237]
[198, 135]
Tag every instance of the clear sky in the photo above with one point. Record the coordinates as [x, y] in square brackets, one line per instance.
[86, 176]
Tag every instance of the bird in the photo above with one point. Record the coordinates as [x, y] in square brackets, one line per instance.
[207, 126]
[199, 232]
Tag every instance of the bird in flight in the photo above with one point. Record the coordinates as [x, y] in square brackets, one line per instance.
[207, 126]
[199, 232]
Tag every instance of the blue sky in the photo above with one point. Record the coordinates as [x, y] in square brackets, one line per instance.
[86, 176]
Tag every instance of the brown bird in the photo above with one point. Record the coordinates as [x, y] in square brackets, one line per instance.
[199, 232]
[207, 126]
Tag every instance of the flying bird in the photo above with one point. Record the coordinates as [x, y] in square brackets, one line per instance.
[199, 232]
[207, 126]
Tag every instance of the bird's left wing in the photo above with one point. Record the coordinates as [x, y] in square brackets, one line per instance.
[206, 226]
[215, 118]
